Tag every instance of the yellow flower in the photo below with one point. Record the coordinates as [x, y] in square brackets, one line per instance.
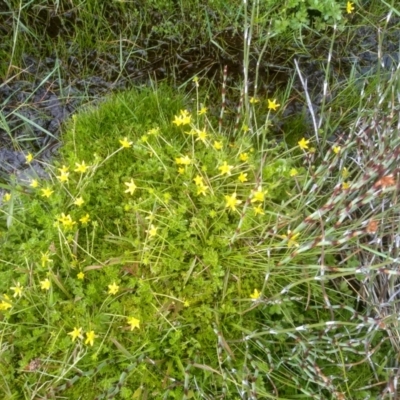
[45, 284]
[196, 81]
[79, 201]
[7, 197]
[202, 189]
[198, 180]
[154, 131]
[349, 7]
[28, 158]
[183, 119]
[183, 160]
[259, 195]
[345, 185]
[76, 333]
[133, 322]
[66, 221]
[131, 187]
[253, 100]
[255, 295]
[81, 168]
[90, 336]
[45, 259]
[232, 202]
[336, 149]
[6, 303]
[244, 157]
[202, 135]
[242, 177]
[84, 220]
[293, 172]
[225, 169]
[272, 104]
[303, 143]
[181, 170]
[345, 173]
[217, 145]
[152, 231]
[63, 169]
[113, 288]
[258, 210]
[292, 242]
[126, 144]
[80, 275]
[34, 183]
[17, 290]
[202, 110]
[63, 177]
[47, 192]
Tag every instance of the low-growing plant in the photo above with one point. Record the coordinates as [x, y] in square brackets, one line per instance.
[162, 258]
[169, 256]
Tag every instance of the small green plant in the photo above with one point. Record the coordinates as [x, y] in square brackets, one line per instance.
[174, 261]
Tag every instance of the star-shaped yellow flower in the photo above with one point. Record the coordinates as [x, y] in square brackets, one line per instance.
[45, 258]
[291, 238]
[345, 185]
[133, 322]
[217, 145]
[259, 195]
[225, 168]
[293, 172]
[6, 303]
[349, 7]
[198, 180]
[272, 104]
[66, 221]
[183, 119]
[79, 201]
[81, 168]
[303, 143]
[28, 158]
[232, 201]
[202, 135]
[152, 231]
[255, 295]
[244, 157]
[203, 110]
[45, 284]
[242, 177]
[131, 187]
[85, 219]
[202, 189]
[63, 177]
[17, 290]
[47, 192]
[34, 183]
[80, 275]
[90, 336]
[113, 288]
[76, 333]
[7, 197]
[125, 143]
[258, 210]
[183, 160]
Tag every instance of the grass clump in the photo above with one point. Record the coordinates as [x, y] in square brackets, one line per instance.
[168, 256]
[163, 258]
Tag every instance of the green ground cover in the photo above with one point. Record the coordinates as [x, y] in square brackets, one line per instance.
[173, 255]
